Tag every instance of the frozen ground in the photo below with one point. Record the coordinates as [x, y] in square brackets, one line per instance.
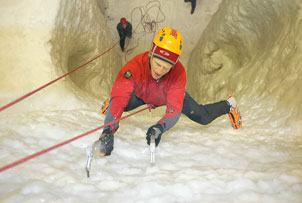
[258, 163]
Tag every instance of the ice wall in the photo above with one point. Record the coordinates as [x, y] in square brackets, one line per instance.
[148, 16]
[42, 40]
[81, 34]
[249, 48]
[253, 49]
[25, 62]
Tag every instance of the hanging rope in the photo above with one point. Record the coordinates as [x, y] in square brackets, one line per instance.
[146, 23]
[13, 164]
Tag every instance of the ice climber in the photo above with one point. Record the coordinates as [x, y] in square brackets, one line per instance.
[158, 78]
[124, 29]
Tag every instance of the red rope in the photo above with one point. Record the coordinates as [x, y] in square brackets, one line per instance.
[65, 142]
[145, 22]
[51, 82]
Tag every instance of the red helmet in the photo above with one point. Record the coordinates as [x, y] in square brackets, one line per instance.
[123, 20]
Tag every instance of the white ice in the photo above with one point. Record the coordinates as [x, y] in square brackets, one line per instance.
[261, 162]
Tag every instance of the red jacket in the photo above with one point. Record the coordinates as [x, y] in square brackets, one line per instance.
[136, 76]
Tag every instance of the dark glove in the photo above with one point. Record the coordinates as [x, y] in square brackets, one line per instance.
[106, 142]
[156, 131]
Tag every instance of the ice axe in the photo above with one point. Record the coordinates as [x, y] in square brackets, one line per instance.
[91, 153]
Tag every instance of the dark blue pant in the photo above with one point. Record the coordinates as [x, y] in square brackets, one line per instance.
[193, 3]
[122, 43]
[202, 114]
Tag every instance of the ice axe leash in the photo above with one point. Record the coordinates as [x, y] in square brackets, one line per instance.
[65, 142]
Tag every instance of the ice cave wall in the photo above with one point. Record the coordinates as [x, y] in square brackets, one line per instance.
[79, 35]
[42, 40]
[253, 49]
[24, 52]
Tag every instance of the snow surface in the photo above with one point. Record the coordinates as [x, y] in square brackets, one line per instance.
[193, 163]
[261, 162]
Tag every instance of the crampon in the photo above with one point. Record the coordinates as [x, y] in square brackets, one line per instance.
[235, 116]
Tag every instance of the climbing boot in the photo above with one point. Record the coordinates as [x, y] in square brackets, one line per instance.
[234, 113]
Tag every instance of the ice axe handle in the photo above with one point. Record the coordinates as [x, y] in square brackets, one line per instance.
[88, 163]
[152, 149]
[90, 157]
